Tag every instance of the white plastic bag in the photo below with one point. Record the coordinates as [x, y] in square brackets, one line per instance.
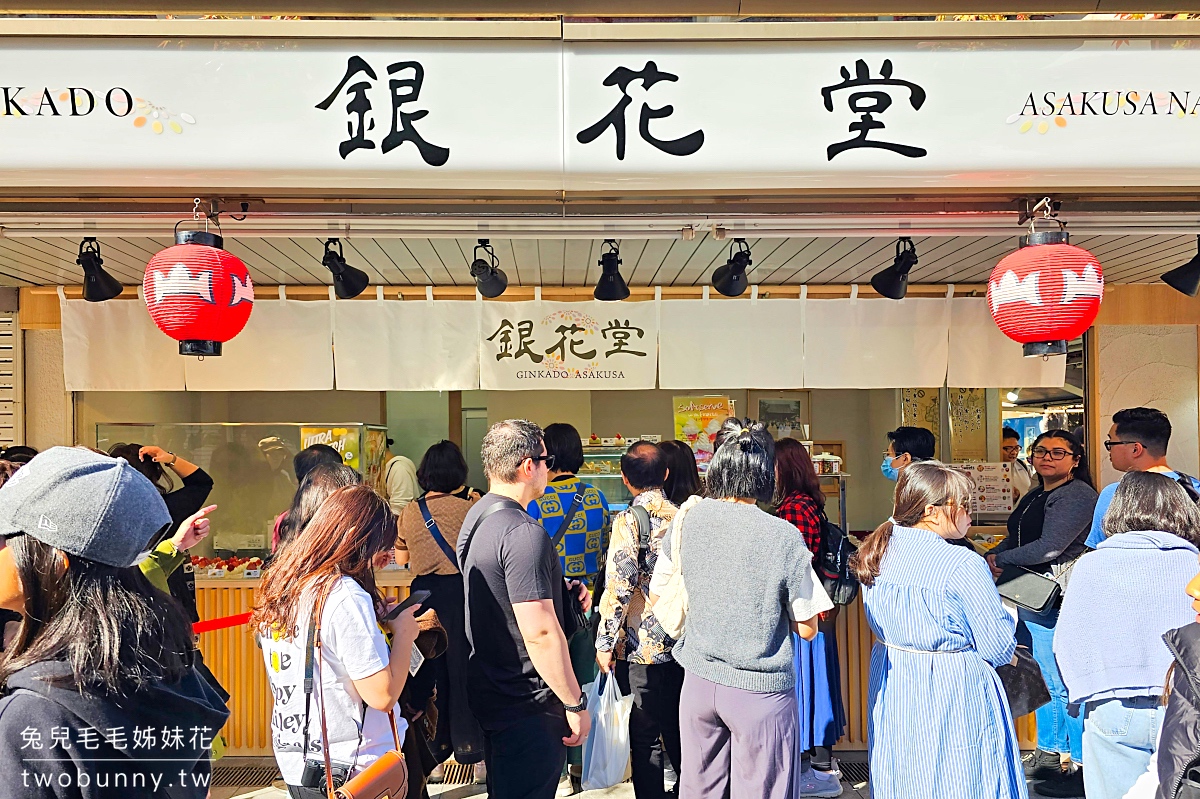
[606, 753]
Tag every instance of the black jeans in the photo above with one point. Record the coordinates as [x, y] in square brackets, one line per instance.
[653, 722]
[525, 758]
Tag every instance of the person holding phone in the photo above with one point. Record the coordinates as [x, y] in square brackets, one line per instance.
[360, 676]
[154, 462]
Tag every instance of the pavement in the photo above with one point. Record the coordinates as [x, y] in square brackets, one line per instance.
[622, 791]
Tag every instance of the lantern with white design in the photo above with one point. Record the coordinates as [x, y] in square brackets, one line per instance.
[1046, 293]
[197, 293]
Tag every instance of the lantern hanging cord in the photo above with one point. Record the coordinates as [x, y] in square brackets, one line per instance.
[1049, 214]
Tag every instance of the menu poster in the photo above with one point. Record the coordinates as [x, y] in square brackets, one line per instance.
[993, 487]
[697, 422]
[343, 439]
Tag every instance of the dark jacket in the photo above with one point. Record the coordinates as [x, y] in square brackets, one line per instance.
[149, 744]
[1179, 743]
[182, 503]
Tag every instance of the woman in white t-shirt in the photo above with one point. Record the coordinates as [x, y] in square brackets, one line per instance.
[359, 675]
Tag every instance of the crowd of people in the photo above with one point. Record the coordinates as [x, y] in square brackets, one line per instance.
[705, 600]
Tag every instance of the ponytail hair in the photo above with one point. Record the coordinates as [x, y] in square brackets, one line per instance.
[921, 483]
[743, 465]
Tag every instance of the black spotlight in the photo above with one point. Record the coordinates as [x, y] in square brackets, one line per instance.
[892, 282]
[1186, 279]
[348, 282]
[730, 279]
[98, 285]
[489, 277]
[611, 286]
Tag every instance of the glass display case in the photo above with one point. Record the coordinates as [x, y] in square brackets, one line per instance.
[602, 468]
[251, 469]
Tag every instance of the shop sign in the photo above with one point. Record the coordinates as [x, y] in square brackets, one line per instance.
[599, 116]
[342, 439]
[569, 345]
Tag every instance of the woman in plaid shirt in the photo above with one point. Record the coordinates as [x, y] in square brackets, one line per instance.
[818, 678]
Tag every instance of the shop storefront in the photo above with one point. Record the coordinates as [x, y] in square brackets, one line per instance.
[817, 149]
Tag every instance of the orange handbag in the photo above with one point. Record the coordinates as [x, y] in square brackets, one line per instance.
[386, 778]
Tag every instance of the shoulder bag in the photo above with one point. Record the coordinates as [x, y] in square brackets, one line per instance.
[1023, 683]
[387, 776]
[574, 619]
[1028, 589]
[832, 564]
[671, 606]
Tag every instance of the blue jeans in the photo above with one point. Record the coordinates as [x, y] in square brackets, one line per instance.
[1057, 729]
[1118, 740]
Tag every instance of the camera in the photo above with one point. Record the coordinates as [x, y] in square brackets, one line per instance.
[313, 775]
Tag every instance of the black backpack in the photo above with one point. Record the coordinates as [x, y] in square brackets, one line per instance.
[833, 562]
[641, 517]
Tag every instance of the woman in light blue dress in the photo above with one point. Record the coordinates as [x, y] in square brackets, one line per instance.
[940, 724]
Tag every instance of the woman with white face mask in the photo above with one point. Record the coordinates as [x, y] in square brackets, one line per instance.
[940, 724]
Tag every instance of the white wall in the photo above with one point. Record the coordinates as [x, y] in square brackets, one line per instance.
[1153, 366]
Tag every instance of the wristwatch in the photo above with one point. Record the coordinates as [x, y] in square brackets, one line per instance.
[582, 706]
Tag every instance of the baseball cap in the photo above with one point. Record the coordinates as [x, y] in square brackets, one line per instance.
[88, 505]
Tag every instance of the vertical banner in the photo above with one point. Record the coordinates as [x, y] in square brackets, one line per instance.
[922, 407]
[584, 346]
[968, 425]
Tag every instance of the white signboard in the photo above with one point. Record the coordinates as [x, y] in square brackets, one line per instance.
[568, 345]
[601, 116]
[993, 487]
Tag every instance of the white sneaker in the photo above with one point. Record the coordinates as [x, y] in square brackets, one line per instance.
[820, 783]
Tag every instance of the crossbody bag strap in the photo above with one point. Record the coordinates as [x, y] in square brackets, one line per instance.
[504, 504]
[1185, 482]
[641, 518]
[568, 518]
[318, 608]
[308, 677]
[432, 527]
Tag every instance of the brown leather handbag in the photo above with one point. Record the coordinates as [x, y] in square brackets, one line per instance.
[386, 778]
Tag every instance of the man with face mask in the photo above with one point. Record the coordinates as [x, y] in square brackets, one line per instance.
[909, 445]
[906, 445]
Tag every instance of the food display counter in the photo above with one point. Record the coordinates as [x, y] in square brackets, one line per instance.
[233, 656]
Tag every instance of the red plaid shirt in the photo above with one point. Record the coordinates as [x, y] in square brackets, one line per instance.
[802, 511]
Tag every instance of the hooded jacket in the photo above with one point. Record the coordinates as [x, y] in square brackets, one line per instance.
[1179, 739]
[67, 743]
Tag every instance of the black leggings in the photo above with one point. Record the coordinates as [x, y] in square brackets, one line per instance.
[819, 757]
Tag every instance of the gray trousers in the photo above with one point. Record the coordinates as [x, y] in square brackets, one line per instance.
[737, 743]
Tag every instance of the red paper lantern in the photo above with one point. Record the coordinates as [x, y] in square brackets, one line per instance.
[197, 293]
[1046, 293]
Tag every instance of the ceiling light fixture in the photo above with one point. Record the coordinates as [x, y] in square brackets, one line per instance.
[98, 285]
[1013, 396]
[730, 279]
[611, 286]
[348, 281]
[489, 277]
[1186, 279]
[892, 282]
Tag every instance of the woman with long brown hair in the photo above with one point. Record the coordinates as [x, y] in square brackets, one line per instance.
[358, 676]
[939, 722]
[798, 499]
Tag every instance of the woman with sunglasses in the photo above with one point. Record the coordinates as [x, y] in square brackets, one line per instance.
[1046, 534]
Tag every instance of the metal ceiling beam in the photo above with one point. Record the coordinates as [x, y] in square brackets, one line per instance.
[642, 227]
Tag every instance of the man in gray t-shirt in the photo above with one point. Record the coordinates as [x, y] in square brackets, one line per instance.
[523, 690]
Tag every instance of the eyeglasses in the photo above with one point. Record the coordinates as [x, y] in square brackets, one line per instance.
[1108, 445]
[549, 459]
[1013, 448]
[1051, 454]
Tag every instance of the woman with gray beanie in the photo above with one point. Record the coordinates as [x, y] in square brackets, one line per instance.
[102, 656]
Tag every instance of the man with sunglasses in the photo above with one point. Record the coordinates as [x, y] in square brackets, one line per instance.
[522, 688]
[1137, 442]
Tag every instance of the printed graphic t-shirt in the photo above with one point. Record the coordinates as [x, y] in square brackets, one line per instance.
[353, 647]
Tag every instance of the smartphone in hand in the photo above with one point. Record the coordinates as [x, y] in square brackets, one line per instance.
[414, 598]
